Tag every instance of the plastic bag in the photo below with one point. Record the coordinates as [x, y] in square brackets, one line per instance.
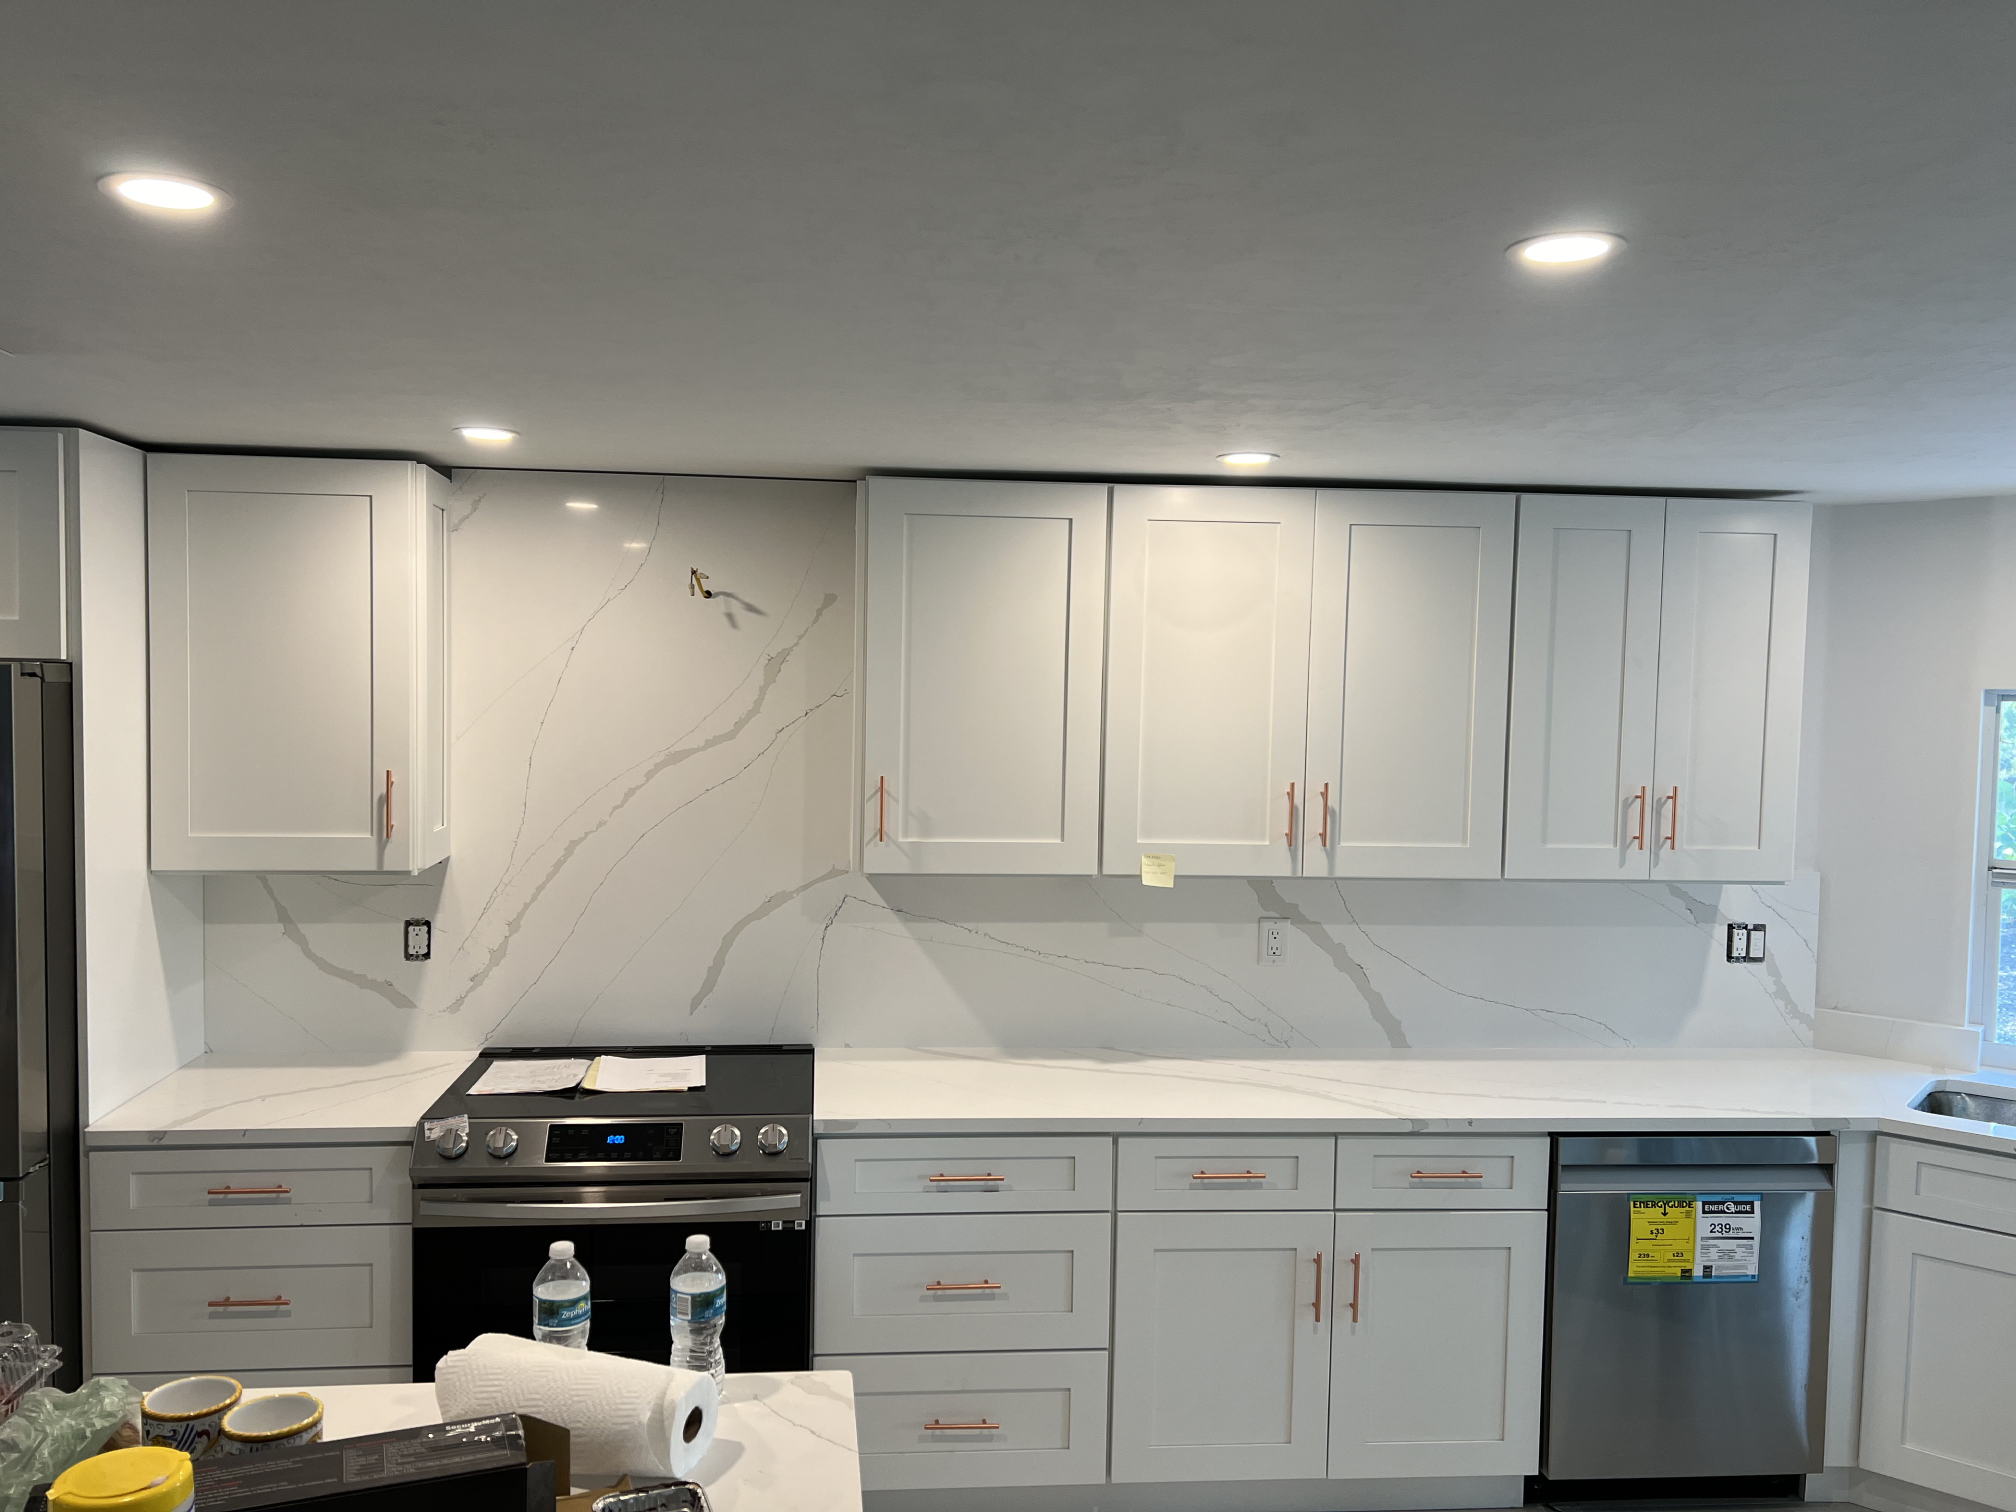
[52, 1430]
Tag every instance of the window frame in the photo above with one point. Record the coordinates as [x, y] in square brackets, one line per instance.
[1985, 957]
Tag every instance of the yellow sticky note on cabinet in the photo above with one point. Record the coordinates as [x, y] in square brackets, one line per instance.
[1158, 871]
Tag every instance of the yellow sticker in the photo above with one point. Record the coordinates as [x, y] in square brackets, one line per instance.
[1158, 871]
[1662, 1237]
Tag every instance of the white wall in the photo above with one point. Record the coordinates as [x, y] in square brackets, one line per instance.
[142, 972]
[652, 840]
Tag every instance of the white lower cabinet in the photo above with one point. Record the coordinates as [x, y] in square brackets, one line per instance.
[1435, 1370]
[1936, 1368]
[930, 1421]
[1221, 1346]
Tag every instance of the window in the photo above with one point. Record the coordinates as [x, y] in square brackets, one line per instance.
[1995, 994]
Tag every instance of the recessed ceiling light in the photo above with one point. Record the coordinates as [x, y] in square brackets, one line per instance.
[161, 191]
[485, 433]
[1248, 459]
[582, 504]
[1565, 247]
[636, 545]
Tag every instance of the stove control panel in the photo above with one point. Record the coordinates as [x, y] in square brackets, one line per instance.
[637, 1146]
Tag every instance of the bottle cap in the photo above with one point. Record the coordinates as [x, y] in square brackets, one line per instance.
[561, 1249]
[696, 1244]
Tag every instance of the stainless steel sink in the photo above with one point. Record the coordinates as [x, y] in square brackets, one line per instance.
[1949, 1101]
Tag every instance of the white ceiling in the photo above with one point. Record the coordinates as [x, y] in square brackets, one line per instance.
[1112, 236]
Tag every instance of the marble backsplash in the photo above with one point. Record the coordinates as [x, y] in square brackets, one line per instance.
[651, 818]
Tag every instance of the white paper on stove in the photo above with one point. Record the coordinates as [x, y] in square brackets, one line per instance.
[529, 1076]
[640, 1073]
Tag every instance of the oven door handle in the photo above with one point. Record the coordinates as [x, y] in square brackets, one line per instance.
[696, 1207]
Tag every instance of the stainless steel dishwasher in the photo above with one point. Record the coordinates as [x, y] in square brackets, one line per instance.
[1687, 1307]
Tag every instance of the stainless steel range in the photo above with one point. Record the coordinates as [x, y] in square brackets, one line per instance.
[626, 1176]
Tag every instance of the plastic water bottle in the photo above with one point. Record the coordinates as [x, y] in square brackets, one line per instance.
[699, 1308]
[560, 1304]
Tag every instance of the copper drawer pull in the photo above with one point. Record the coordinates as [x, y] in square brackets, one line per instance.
[388, 803]
[1319, 1286]
[1356, 1270]
[965, 1178]
[1290, 836]
[273, 1191]
[1323, 835]
[250, 1302]
[1673, 819]
[1640, 841]
[983, 1426]
[1445, 1175]
[963, 1286]
[1228, 1175]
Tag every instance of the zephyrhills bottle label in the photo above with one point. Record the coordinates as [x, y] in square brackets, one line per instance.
[567, 1312]
[700, 1307]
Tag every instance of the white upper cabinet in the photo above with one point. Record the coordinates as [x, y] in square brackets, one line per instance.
[1207, 678]
[298, 612]
[982, 676]
[31, 544]
[1732, 655]
[1585, 682]
[1407, 686]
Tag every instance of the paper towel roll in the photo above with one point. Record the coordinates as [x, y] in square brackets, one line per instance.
[623, 1415]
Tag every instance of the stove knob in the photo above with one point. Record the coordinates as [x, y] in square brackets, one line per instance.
[452, 1143]
[501, 1142]
[772, 1138]
[725, 1140]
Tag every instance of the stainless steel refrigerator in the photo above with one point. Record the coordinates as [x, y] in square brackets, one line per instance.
[41, 1270]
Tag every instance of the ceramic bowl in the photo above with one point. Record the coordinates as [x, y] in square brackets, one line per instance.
[188, 1414]
[273, 1422]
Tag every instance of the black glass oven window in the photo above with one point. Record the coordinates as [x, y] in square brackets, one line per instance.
[584, 1143]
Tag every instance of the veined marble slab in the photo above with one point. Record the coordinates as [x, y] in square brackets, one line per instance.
[309, 1099]
[1501, 1091]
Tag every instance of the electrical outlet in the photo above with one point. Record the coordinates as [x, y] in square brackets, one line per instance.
[1273, 942]
[1746, 944]
[419, 939]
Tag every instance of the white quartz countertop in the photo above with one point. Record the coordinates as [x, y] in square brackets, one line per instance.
[783, 1443]
[310, 1100]
[326, 1100]
[1116, 1091]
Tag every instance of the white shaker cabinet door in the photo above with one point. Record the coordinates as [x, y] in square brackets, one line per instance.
[1221, 1346]
[298, 660]
[1207, 679]
[1585, 682]
[982, 676]
[31, 544]
[1732, 653]
[1935, 1375]
[1407, 685]
[1436, 1367]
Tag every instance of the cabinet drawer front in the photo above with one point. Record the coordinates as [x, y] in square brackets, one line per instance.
[1441, 1171]
[963, 1281]
[1036, 1419]
[1004, 1175]
[255, 1188]
[1182, 1173]
[319, 1297]
[1972, 1187]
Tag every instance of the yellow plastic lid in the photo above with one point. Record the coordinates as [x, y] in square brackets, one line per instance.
[153, 1478]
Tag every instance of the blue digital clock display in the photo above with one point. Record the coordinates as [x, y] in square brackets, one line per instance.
[617, 1138]
[599, 1142]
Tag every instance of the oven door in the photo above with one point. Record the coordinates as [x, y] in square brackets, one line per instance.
[476, 1250]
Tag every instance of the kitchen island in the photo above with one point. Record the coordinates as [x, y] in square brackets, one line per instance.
[785, 1441]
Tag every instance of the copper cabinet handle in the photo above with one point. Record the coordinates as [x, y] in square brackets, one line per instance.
[1323, 834]
[388, 803]
[230, 1191]
[1640, 841]
[1319, 1286]
[1673, 819]
[881, 809]
[1445, 1175]
[966, 1178]
[983, 1426]
[963, 1286]
[1290, 836]
[1356, 1271]
[1228, 1175]
[250, 1302]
